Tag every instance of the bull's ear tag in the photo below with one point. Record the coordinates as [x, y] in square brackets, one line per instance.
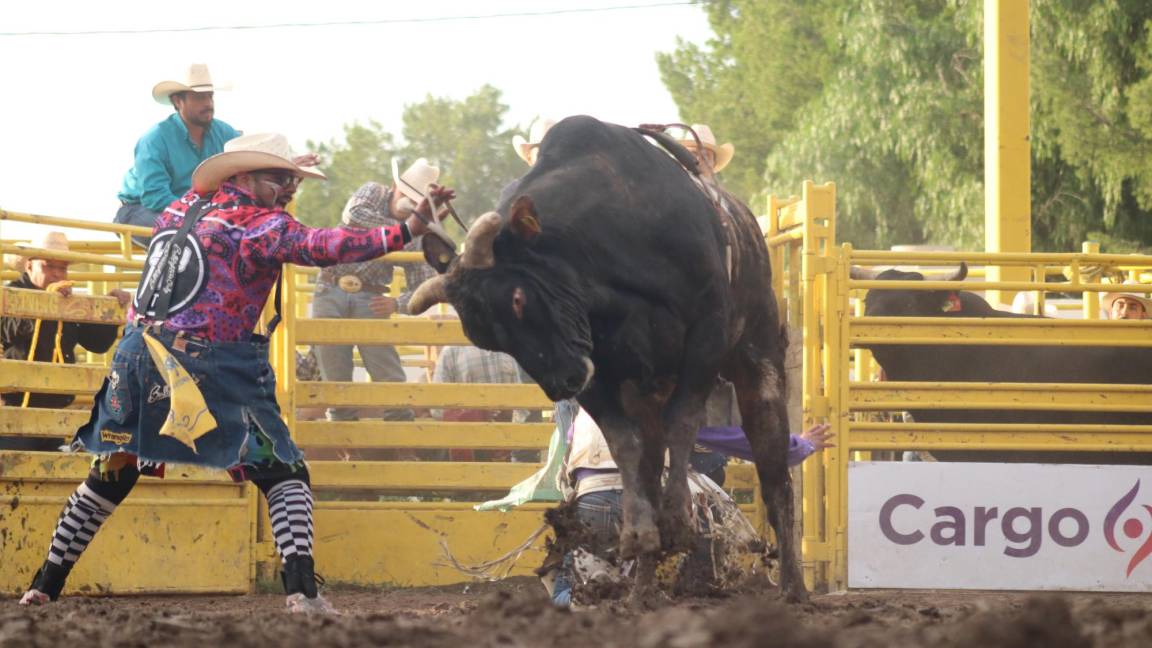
[524, 221]
[951, 304]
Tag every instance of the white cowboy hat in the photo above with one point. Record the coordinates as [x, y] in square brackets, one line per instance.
[249, 153]
[1111, 297]
[415, 179]
[723, 152]
[196, 79]
[536, 134]
[46, 241]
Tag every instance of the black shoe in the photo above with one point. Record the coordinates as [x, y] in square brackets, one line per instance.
[299, 576]
[50, 578]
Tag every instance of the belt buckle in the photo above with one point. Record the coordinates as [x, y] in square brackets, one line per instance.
[350, 284]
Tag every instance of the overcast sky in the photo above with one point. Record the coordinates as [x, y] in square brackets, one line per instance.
[74, 105]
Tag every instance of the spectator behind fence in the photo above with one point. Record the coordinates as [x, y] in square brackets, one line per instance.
[528, 150]
[16, 334]
[1127, 305]
[360, 290]
[712, 157]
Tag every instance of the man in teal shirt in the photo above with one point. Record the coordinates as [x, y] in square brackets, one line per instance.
[168, 153]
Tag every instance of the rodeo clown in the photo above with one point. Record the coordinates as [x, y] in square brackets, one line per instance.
[190, 382]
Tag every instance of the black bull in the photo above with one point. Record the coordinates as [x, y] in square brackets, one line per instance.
[1014, 364]
[611, 277]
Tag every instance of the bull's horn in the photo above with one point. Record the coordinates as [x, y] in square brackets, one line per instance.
[428, 294]
[960, 274]
[859, 273]
[478, 246]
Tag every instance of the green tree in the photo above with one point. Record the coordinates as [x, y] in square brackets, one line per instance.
[466, 140]
[463, 137]
[364, 154]
[768, 60]
[891, 109]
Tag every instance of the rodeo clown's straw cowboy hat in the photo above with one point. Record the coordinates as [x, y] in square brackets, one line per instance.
[536, 134]
[253, 152]
[46, 241]
[1142, 298]
[195, 79]
[723, 152]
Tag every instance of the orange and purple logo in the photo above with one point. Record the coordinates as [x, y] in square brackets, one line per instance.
[1133, 528]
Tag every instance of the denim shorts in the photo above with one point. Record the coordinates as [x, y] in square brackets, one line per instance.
[239, 388]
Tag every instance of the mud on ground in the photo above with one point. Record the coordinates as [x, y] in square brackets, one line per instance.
[516, 613]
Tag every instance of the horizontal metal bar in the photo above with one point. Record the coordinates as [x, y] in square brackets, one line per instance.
[431, 475]
[448, 475]
[74, 257]
[391, 257]
[997, 331]
[69, 467]
[96, 226]
[149, 502]
[1083, 443]
[106, 247]
[122, 278]
[43, 423]
[49, 378]
[379, 331]
[422, 434]
[1014, 341]
[876, 427]
[39, 304]
[887, 257]
[431, 507]
[785, 237]
[1087, 397]
[881, 284]
[384, 394]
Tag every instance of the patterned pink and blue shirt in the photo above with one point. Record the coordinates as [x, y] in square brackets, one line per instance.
[234, 255]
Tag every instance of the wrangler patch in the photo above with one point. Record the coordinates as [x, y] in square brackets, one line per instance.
[119, 438]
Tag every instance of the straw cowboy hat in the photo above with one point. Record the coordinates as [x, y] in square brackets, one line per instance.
[536, 134]
[1111, 297]
[47, 241]
[415, 180]
[196, 79]
[723, 152]
[249, 153]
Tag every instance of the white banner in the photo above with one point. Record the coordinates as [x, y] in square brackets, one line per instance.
[941, 525]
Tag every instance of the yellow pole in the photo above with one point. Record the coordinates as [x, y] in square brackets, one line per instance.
[1007, 150]
[1091, 299]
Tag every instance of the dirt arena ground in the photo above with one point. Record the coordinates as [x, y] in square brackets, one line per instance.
[515, 613]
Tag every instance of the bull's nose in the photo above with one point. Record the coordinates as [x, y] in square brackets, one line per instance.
[574, 383]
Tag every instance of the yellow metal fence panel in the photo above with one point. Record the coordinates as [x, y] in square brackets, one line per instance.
[190, 532]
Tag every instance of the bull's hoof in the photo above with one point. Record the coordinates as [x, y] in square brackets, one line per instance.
[646, 599]
[646, 595]
[795, 593]
[676, 533]
[638, 541]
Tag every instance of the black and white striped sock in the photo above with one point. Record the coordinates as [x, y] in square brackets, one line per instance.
[79, 521]
[290, 508]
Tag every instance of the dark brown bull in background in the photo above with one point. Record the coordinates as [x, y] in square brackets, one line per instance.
[1001, 363]
[612, 277]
